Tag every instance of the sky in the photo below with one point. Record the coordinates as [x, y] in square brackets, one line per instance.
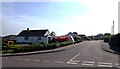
[89, 17]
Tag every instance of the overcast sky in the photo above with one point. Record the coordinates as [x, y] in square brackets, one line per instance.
[88, 17]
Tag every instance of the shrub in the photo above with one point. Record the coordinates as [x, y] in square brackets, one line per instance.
[10, 51]
[106, 39]
[43, 45]
[115, 41]
[66, 43]
[5, 47]
[78, 41]
[34, 47]
[53, 45]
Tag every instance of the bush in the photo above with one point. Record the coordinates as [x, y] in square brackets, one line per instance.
[53, 45]
[106, 39]
[78, 41]
[115, 41]
[43, 45]
[10, 51]
[66, 43]
[5, 47]
[34, 47]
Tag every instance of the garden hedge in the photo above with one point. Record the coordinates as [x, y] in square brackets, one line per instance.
[115, 41]
[106, 39]
[35, 47]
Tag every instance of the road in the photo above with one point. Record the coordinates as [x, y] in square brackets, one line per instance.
[86, 54]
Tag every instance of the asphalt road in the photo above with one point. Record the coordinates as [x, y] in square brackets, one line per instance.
[87, 54]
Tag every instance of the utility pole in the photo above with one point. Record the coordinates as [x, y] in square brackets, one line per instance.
[113, 27]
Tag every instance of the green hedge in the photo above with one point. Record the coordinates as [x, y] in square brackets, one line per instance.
[106, 39]
[78, 41]
[35, 47]
[115, 41]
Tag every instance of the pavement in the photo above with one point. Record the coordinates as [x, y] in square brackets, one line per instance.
[42, 51]
[84, 54]
[105, 46]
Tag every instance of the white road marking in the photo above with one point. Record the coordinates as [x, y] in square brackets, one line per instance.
[88, 62]
[27, 59]
[46, 61]
[58, 62]
[75, 61]
[117, 64]
[71, 61]
[75, 56]
[36, 60]
[105, 65]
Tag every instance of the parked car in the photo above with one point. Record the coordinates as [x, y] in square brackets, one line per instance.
[64, 38]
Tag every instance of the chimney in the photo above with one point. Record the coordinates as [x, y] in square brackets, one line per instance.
[27, 29]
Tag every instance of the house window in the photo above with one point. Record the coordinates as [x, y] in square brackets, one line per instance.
[26, 38]
[39, 38]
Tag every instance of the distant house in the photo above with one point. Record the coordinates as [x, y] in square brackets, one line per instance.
[73, 35]
[34, 36]
[81, 35]
[99, 36]
[10, 37]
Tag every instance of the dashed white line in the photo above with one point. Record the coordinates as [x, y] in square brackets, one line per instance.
[71, 63]
[46, 61]
[75, 61]
[28, 59]
[117, 64]
[104, 65]
[36, 60]
[88, 62]
[58, 62]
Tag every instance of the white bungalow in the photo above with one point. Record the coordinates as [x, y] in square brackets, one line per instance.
[34, 36]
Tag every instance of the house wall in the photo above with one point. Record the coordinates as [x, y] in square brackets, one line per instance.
[32, 40]
[47, 33]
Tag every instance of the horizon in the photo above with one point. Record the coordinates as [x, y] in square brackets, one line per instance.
[83, 17]
[53, 31]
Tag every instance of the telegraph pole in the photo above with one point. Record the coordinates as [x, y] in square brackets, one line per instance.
[113, 27]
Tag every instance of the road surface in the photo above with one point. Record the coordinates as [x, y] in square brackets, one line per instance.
[86, 54]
